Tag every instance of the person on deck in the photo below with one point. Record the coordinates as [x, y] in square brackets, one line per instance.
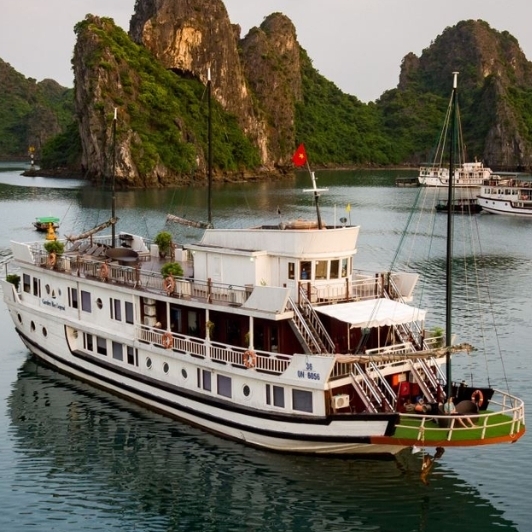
[450, 408]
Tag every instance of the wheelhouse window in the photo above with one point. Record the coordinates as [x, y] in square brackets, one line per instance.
[86, 301]
[321, 269]
[335, 269]
[302, 400]
[291, 270]
[305, 271]
[345, 267]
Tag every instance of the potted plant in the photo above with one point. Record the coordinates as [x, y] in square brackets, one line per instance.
[55, 249]
[13, 278]
[172, 268]
[163, 239]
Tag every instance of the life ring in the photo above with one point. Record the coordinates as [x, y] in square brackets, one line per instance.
[104, 271]
[168, 340]
[52, 259]
[250, 359]
[477, 397]
[169, 284]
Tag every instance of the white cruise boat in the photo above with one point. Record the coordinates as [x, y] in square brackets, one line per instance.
[471, 174]
[268, 338]
[466, 174]
[508, 196]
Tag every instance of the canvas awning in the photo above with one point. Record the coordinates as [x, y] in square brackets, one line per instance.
[373, 313]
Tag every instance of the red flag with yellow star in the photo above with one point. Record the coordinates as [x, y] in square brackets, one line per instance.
[300, 156]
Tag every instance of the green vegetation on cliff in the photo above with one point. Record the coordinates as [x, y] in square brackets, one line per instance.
[167, 112]
[337, 128]
[30, 112]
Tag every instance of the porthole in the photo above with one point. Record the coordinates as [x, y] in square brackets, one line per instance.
[184, 373]
[99, 303]
[148, 362]
[19, 318]
[44, 332]
[246, 390]
[166, 367]
[32, 326]
[47, 288]
[59, 291]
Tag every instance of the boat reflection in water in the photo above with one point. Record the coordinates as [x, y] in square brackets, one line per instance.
[88, 459]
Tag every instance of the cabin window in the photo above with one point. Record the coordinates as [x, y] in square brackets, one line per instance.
[204, 379]
[132, 356]
[129, 312]
[305, 270]
[118, 351]
[302, 400]
[101, 346]
[86, 301]
[321, 269]
[224, 385]
[87, 342]
[335, 269]
[116, 309]
[73, 297]
[36, 287]
[275, 394]
[291, 270]
[26, 282]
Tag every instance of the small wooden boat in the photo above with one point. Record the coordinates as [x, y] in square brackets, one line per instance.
[42, 223]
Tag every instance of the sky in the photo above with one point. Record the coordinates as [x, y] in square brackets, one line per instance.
[357, 44]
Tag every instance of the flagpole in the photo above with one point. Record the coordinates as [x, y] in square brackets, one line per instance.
[316, 195]
[299, 159]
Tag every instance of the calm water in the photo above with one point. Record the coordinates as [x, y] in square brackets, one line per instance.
[75, 458]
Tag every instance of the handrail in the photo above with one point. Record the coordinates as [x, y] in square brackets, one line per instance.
[515, 422]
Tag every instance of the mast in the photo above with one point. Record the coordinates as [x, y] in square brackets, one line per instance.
[209, 179]
[449, 268]
[113, 195]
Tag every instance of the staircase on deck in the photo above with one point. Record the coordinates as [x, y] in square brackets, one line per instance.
[370, 384]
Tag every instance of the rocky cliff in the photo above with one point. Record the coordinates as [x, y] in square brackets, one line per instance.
[494, 84]
[191, 37]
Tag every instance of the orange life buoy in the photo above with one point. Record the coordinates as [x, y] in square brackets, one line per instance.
[169, 284]
[477, 397]
[250, 359]
[104, 271]
[168, 340]
[52, 259]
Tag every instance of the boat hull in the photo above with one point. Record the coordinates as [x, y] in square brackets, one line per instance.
[331, 435]
[505, 207]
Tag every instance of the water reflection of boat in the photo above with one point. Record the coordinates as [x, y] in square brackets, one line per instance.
[90, 448]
